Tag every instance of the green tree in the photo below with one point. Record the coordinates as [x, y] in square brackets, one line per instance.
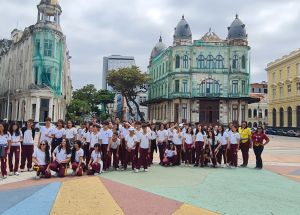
[129, 82]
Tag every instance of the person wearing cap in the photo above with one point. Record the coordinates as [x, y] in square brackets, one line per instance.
[130, 143]
[245, 143]
[259, 139]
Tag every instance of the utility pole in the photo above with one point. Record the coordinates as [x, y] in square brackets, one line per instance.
[8, 98]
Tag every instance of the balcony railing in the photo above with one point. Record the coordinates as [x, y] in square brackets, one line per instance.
[180, 95]
[201, 94]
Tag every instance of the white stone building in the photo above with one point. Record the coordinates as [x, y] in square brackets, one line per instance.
[35, 69]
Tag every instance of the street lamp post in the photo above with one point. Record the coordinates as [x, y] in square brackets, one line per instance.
[8, 100]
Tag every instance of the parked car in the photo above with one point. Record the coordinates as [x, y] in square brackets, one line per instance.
[291, 133]
[271, 131]
[281, 132]
[297, 134]
[39, 125]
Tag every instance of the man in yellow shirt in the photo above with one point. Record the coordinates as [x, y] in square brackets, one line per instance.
[245, 143]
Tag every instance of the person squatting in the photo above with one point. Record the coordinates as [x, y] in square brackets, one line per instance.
[95, 148]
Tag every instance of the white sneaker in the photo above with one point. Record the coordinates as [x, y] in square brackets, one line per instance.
[10, 173]
[4, 176]
[30, 170]
[96, 173]
[17, 174]
[146, 170]
[136, 170]
[56, 174]
[73, 173]
[37, 177]
[117, 169]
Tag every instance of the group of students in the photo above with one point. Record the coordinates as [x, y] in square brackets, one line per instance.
[94, 147]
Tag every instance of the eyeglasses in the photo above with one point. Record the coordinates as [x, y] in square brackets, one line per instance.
[42, 144]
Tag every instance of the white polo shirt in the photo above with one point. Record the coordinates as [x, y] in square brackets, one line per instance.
[234, 138]
[4, 139]
[177, 138]
[58, 133]
[40, 156]
[79, 153]
[105, 135]
[114, 145]
[87, 136]
[144, 140]
[222, 138]
[162, 135]
[131, 141]
[45, 131]
[16, 140]
[71, 133]
[28, 139]
[95, 155]
[188, 138]
[200, 137]
[61, 155]
[94, 138]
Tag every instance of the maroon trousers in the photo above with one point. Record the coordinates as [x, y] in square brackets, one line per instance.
[130, 155]
[245, 152]
[122, 149]
[3, 163]
[233, 153]
[88, 156]
[199, 146]
[14, 150]
[179, 155]
[143, 158]
[104, 156]
[80, 169]
[115, 157]
[95, 168]
[61, 169]
[161, 149]
[26, 155]
[42, 170]
[170, 160]
[222, 153]
[188, 153]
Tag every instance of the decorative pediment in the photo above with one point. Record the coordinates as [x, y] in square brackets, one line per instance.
[211, 37]
[280, 83]
[288, 81]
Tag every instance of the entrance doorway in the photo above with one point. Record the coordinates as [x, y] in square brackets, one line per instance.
[44, 110]
[208, 111]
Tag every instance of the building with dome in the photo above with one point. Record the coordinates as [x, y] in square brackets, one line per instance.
[35, 69]
[203, 80]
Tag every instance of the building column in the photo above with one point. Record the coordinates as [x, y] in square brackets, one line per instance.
[37, 109]
[51, 108]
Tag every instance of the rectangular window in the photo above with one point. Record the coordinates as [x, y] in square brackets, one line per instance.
[274, 93]
[289, 89]
[176, 86]
[288, 72]
[298, 88]
[243, 87]
[234, 88]
[243, 109]
[37, 46]
[281, 92]
[184, 111]
[234, 112]
[48, 46]
[185, 88]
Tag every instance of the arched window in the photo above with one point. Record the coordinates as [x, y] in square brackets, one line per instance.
[274, 117]
[177, 62]
[298, 116]
[235, 62]
[185, 61]
[201, 62]
[210, 62]
[254, 113]
[289, 112]
[219, 62]
[243, 62]
[163, 68]
[249, 113]
[209, 86]
[281, 119]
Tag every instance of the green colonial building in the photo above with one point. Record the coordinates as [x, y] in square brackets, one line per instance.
[203, 80]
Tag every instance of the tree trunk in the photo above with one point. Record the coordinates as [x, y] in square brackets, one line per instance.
[138, 109]
[130, 108]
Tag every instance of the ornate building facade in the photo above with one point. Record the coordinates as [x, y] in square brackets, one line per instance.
[35, 69]
[284, 91]
[204, 80]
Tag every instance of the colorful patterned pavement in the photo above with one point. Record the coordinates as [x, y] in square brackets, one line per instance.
[180, 190]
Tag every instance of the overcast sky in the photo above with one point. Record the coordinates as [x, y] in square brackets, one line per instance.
[97, 28]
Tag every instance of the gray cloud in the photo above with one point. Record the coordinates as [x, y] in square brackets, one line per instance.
[96, 28]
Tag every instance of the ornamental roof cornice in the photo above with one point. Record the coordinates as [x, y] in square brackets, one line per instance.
[283, 59]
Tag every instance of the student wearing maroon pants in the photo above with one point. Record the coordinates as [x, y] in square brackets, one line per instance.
[130, 143]
[114, 151]
[200, 141]
[27, 146]
[123, 133]
[245, 144]
[188, 140]
[57, 133]
[177, 140]
[77, 159]
[105, 140]
[170, 155]
[15, 149]
[145, 142]
[153, 147]
[95, 165]
[221, 150]
[41, 160]
[260, 139]
[61, 157]
[162, 137]
[233, 145]
[94, 139]
[211, 142]
[5, 141]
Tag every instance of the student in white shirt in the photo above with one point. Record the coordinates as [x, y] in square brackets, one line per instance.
[188, 141]
[130, 142]
[114, 151]
[211, 143]
[86, 140]
[95, 165]
[122, 150]
[177, 140]
[61, 157]
[162, 137]
[94, 138]
[41, 160]
[153, 147]
[5, 141]
[145, 142]
[15, 149]
[234, 145]
[200, 141]
[105, 140]
[71, 132]
[221, 150]
[77, 158]
[45, 131]
[27, 146]
[58, 134]
[170, 155]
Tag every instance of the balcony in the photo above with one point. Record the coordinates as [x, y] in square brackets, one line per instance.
[237, 95]
[201, 94]
[180, 95]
